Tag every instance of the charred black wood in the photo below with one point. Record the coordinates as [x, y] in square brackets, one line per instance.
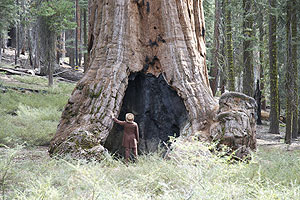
[159, 112]
[160, 39]
[148, 7]
[153, 43]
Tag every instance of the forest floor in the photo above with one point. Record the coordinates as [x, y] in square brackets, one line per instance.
[264, 138]
[28, 120]
[8, 60]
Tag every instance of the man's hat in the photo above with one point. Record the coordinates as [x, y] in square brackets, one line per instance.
[129, 117]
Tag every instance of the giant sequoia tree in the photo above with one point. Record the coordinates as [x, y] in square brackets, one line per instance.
[145, 57]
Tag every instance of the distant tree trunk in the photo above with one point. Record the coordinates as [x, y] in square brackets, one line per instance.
[85, 40]
[248, 75]
[58, 49]
[262, 59]
[29, 44]
[80, 39]
[294, 23]
[17, 50]
[63, 45]
[1, 46]
[229, 48]
[47, 39]
[288, 82]
[18, 35]
[70, 47]
[257, 96]
[147, 58]
[35, 44]
[223, 65]
[214, 70]
[273, 71]
[22, 30]
[77, 32]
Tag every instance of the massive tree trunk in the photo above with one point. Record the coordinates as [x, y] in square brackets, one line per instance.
[146, 57]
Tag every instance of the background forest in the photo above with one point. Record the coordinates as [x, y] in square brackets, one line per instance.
[252, 47]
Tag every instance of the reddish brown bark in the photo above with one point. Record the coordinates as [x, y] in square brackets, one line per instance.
[160, 39]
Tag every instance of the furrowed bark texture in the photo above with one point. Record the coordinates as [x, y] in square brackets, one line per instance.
[150, 41]
[157, 37]
[236, 125]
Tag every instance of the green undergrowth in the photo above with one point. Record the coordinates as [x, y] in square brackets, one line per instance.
[271, 174]
[27, 172]
[28, 117]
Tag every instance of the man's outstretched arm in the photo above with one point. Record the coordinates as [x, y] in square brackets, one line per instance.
[118, 121]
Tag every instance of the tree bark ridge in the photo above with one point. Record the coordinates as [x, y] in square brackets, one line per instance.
[158, 37]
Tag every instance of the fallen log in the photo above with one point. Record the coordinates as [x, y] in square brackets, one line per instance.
[21, 89]
[65, 80]
[70, 76]
[13, 71]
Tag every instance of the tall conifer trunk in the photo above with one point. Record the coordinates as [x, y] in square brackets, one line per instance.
[288, 76]
[294, 23]
[248, 75]
[273, 71]
[229, 47]
[214, 70]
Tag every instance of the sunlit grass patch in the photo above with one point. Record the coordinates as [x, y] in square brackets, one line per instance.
[33, 126]
[31, 118]
[32, 80]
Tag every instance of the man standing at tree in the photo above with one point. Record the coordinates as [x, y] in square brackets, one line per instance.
[131, 134]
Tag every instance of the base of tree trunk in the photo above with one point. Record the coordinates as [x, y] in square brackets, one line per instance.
[165, 115]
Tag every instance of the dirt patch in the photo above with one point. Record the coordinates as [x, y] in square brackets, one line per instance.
[264, 138]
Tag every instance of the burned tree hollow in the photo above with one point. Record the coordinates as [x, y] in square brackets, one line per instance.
[158, 110]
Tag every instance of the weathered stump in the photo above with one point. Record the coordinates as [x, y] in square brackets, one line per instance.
[236, 123]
